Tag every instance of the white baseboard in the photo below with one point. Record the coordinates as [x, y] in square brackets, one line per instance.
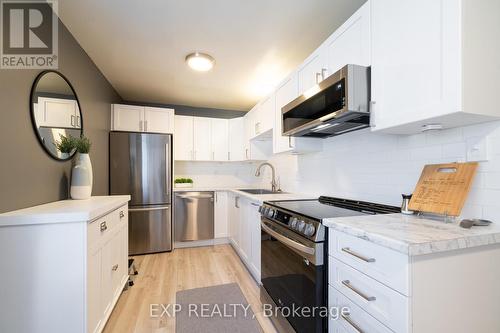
[198, 243]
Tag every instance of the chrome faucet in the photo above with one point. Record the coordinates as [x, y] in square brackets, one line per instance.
[274, 184]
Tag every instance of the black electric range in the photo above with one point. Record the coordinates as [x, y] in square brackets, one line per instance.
[294, 249]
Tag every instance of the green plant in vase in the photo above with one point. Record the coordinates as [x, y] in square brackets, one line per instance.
[65, 145]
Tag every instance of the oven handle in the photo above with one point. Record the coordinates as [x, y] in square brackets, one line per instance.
[287, 241]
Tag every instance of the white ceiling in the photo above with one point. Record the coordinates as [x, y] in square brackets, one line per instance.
[140, 46]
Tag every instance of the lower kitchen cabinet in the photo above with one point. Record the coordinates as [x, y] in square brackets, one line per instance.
[64, 265]
[388, 291]
[221, 215]
[244, 231]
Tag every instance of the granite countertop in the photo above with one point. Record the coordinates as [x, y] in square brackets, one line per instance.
[254, 197]
[65, 211]
[413, 235]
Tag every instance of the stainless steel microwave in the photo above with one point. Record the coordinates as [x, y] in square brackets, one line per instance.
[337, 105]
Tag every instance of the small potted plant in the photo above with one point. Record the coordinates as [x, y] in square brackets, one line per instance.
[183, 183]
[82, 176]
[66, 145]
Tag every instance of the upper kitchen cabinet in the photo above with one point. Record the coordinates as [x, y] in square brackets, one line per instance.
[237, 139]
[220, 142]
[183, 138]
[201, 139]
[312, 71]
[286, 92]
[141, 119]
[434, 64]
[260, 120]
[350, 43]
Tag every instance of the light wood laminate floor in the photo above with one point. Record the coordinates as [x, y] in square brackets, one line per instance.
[162, 275]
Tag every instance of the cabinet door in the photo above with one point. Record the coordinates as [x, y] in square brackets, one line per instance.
[255, 236]
[312, 71]
[58, 112]
[127, 118]
[107, 276]
[350, 43]
[94, 306]
[234, 219]
[221, 215]
[202, 139]
[183, 138]
[220, 138]
[236, 139]
[158, 120]
[285, 93]
[415, 60]
[120, 262]
[266, 114]
[244, 230]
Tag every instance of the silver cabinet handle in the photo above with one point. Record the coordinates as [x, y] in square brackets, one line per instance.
[350, 322]
[140, 125]
[72, 121]
[254, 204]
[115, 267]
[290, 142]
[148, 209]
[103, 226]
[237, 202]
[229, 156]
[246, 153]
[122, 214]
[324, 73]
[145, 125]
[318, 78]
[78, 121]
[357, 255]
[347, 283]
[213, 156]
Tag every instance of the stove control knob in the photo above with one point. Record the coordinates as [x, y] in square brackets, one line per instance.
[309, 231]
[270, 212]
[300, 226]
[293, 222]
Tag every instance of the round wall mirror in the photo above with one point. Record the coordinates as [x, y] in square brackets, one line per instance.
[55, 113]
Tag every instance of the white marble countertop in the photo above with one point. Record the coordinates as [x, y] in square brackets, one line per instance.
[254, 197]
[412, 235]
[64, 211]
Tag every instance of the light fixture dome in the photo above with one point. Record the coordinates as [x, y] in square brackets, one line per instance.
[200, 61]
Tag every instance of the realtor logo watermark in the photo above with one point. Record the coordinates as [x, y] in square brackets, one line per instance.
[29, 38]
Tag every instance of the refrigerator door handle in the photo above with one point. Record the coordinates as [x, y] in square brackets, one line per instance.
[147, 209]
[167, 171]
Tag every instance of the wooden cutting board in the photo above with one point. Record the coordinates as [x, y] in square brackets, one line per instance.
[443, 188]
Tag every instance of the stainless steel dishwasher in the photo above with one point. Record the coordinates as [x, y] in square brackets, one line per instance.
[193, 216]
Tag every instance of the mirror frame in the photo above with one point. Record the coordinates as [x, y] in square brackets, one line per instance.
[32, 112]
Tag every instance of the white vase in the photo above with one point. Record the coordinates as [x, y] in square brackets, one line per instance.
[81, 178]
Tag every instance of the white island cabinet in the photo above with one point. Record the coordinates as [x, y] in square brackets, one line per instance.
[64, 265]
[406, 274]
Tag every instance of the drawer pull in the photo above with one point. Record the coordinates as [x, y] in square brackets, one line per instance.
[353, 325]
[347, 283]
[122, 214]
[104, 227]
[115, 267]
[359, 256]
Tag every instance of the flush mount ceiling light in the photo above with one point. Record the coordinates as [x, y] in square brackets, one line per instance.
[200, 61]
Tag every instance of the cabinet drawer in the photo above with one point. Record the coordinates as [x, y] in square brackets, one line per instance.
[383, 303]
[357, 321]
[380, 263]
[102, 226]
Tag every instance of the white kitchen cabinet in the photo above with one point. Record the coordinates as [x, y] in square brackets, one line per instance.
[183, 138]
[220, 139]
[83, 248]
[286, 92]
[202, 139]
[312, 71]
[234, 219]
[136, 118]
[158, 120]
[434, 62]
[236, 139]
[221, 215]
[58, 112]
[350, 43]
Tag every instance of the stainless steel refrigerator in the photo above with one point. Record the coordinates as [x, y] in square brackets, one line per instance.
[140, 164]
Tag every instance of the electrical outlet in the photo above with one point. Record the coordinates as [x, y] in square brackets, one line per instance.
[477, 149]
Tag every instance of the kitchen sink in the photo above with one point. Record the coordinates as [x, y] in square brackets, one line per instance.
[259, 191]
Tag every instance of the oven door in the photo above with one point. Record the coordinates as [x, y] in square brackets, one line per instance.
[293, 274]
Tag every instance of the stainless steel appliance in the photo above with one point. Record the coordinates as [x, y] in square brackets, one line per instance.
[337, 105]
[294, 256]
[194, 216]
[140, 164]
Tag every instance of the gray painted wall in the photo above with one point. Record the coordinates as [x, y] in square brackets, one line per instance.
[186, 110]
[28, 176]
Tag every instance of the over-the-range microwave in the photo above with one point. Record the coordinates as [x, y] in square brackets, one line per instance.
[337, 105]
